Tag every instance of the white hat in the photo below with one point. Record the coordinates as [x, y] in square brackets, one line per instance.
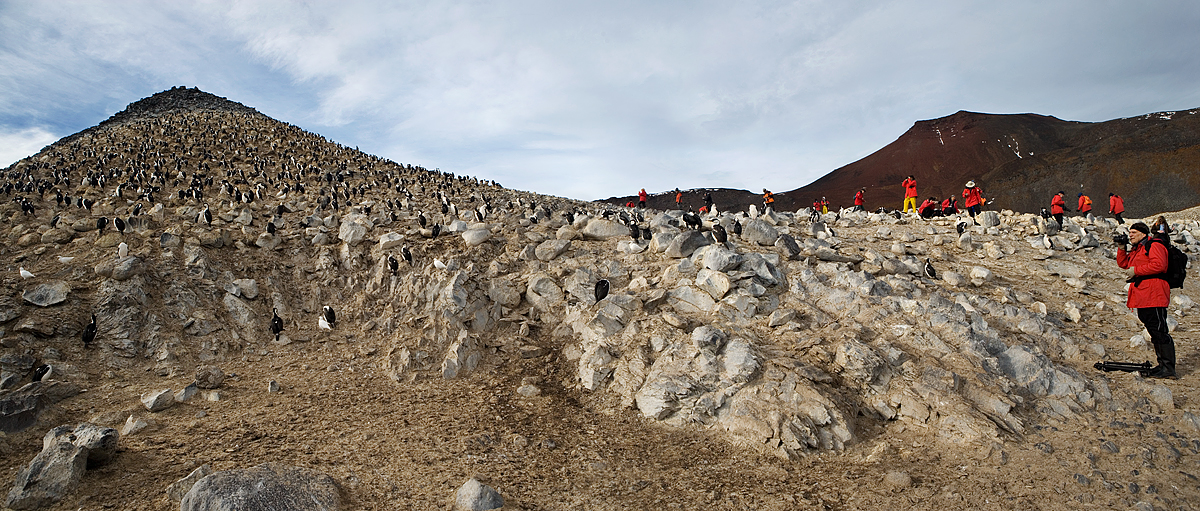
[970, 184]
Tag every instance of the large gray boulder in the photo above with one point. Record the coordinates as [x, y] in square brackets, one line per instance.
[686, 243]
[47, 294]
[550, 249]
[760, 232]
[989, 219]
[55, 472]
[543, 292]
[266, 487]
[601, 229]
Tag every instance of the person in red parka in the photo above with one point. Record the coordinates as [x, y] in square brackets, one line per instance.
[1057, 204]
[642, 196]
[1116, 206]
[972, 199]
[1149, 293]
[1085, 204]
[858, 200]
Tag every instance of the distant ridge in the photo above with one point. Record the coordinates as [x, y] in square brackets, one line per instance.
[1020, 160]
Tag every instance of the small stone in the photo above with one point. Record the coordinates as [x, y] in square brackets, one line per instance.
[898, 479]
[529, 390]
[476, 496]
[209, 377]
[132, 426]
[159, 400]
[273, 387]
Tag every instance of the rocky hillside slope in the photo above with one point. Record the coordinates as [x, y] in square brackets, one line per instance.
[753, 361]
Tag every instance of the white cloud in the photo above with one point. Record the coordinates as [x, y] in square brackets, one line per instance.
[15, 145]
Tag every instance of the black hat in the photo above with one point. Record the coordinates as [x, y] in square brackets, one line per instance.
[1141, 227]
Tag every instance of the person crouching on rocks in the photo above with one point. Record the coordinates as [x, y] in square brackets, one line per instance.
[929, 208]
[1149, 293]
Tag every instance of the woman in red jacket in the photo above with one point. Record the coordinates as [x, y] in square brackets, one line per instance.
[1056, 207]
[972, 198]
[1116, 206]
[1149, 293]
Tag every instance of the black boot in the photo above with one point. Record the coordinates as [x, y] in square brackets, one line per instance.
[1166, 361]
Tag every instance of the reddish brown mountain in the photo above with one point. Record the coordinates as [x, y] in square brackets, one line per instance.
[1021, 160]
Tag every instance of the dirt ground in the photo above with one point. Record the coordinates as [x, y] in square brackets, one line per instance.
[412, 444]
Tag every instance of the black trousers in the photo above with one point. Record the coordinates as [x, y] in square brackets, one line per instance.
[1155, 319]
[1058, 218]
[1119, 219]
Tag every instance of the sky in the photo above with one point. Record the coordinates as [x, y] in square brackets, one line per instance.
[596, 99]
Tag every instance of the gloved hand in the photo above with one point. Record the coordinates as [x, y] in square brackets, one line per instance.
[1130, 273]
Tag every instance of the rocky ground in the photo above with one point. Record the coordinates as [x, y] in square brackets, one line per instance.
[795, 366]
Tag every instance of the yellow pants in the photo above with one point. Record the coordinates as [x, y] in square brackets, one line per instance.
[910, 200]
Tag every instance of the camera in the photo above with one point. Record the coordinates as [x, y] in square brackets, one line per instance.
[1121, 239]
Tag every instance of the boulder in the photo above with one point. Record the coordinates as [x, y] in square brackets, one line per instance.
[550, 249]
[158, 400]
[55, 472]
[476, 237]
[685, 243]
[390, 240]
[543, 292]
[717, 284]
[269, 486]
[352, 232]
[209, 377]
[760, 232]
[989, 219]
[719, 258]
[58, 236]
[47, 294]
[601, 229]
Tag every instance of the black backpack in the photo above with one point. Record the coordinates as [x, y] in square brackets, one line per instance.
[1177, 263]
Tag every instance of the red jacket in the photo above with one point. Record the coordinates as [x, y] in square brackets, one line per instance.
[858, 198]
[910, 188]
[642, 196]
[926, 205]
[1085, 204]
[1057, 204]
[972, 196]
[1116, 205]
[948, 204]
[1148, 292]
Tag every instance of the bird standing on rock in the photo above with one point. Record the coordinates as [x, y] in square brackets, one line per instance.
[929, 271]
[407, 254]
[327, 319]
[122, 250]
[393, 264]
[720, 234]
[101, 223]
[276, 323]
[89, 332]
[42, 372]
[601, 289]
[120, 225]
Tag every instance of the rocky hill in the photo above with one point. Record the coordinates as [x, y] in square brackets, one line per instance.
[567, 354]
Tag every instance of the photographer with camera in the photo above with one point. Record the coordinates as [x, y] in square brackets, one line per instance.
[1149, 293]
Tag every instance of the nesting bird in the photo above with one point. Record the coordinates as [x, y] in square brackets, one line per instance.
[122, 250]
[929, 271]
[101, 223]
[407, 255]
[327, 319]
[120, 225]
[42, 372]
[393, 264]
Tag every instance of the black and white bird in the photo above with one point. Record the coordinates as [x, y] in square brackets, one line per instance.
[89, 332]
[101, 223]
[720, 234]
[692, 220]
[120, 225]
[601, 289]
[205, 216]
[42, 372]
[737, 227]
[407, 255]
[327, 320]
[122, 250]
[276, 324]
[393, 264]
[271, 227]
[635, 232]
[929, 271]
[960, 227]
